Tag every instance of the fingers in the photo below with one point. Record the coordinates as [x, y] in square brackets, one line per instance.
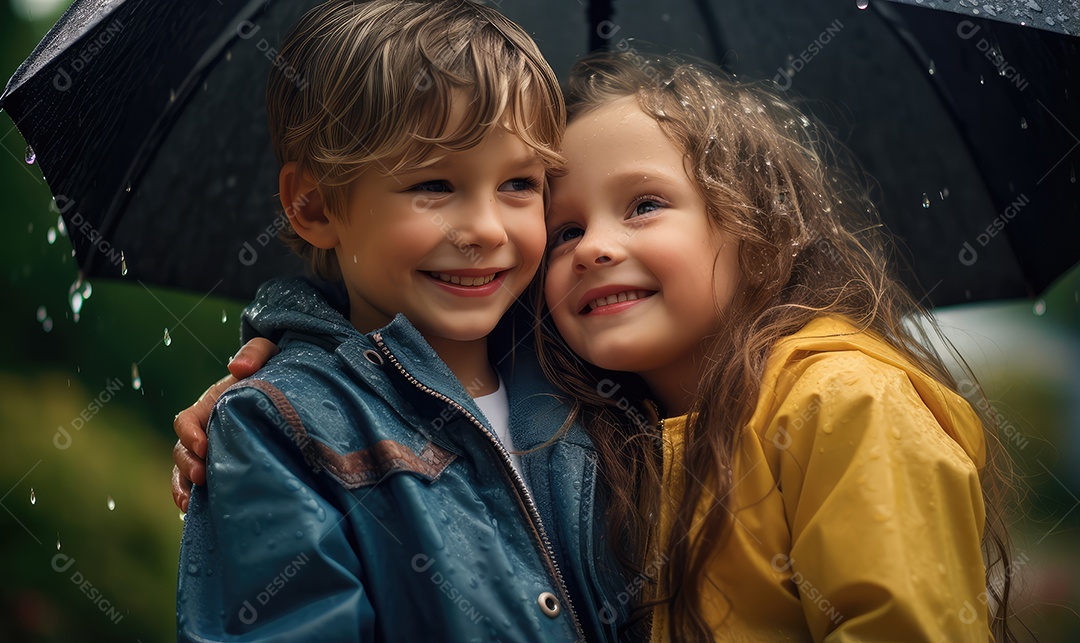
[181, 494]
[252, 356]
[190, 424]
[192, 468]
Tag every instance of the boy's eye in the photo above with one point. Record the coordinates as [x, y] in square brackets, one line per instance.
[521, 184]
[438, 187]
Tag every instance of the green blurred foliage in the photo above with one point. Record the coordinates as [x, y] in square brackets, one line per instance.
[121, 581]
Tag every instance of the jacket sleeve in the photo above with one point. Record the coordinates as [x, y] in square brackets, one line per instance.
[885, 509]
[265, 557]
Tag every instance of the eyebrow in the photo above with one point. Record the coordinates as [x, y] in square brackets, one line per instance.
[440, 162]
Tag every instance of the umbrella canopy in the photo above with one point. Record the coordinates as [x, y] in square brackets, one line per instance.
[147, 120]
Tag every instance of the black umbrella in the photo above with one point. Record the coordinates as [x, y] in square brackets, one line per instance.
[147, 119]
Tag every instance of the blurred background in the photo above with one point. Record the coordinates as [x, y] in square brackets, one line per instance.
[89, 536]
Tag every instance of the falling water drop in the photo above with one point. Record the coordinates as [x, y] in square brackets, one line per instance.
[862, 4]
[1023, 123]
[1039, 308]
[42, 313]
[128, 188]
[47, 324]
[172, 95]
[168, 339]
[76, 304]
[1072, 174]
[57, 541]
[925, 200]
[60, 227]
[33, 498]
[932, 68]
[31, 155]
[123, 265]
[51, 236]
[136, 379]
[110, 503]
[224, 317]
[981, 81]
[354, 258]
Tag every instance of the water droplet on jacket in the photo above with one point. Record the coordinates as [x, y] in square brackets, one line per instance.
[31, 155]
[932, 69]
[33, 498]
[128, 188]
[292, 484]
[827, 428]
[299, 534]
[110, 503]
[354, 258]
[1039, 308]
[193, 570]
[224, 317]
[320, 514]
[76, 303]
[862, 4]
[1023, 123]
[136, 381]
[925, 200]
[167, 338]
[51, 236]
[60, 227]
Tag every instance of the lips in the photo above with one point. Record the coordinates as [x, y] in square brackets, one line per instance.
[601, 298]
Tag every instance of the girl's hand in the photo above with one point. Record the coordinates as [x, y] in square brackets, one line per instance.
[189, 454]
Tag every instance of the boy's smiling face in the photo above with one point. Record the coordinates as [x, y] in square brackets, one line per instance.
[450, 244]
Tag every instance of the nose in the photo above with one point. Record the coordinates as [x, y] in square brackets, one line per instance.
[597, 249]
[481, 225]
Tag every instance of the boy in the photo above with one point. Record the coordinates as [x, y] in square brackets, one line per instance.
[360, 487]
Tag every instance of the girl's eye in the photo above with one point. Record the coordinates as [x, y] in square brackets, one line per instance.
[564, 235]
[438, 187]
[521, 184]
[645, 206]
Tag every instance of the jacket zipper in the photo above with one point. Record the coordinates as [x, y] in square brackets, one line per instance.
[523, 493]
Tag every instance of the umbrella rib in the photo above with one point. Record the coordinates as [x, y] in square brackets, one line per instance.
[1039, 182]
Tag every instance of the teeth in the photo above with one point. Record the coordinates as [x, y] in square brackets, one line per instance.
[463, 281]
[629, 295]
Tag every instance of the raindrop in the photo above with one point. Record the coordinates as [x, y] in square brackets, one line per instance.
[110, 503]
[60, 227]
[51, 236]
[354, 258]
[47, 324]
[76, 304]
[1023, 123]
[981, 81]
[1072, 174]
[925, 200]
[136, 379]
[228, 56]
[87, 290]
[128, 188]
[862, 4]
[57, 541]
[932, 68]
[943, 193]
[123, 265]
[172, 95]
[1039, 308]
[42, 313]
[168, 339]
[224, 317]
[31, 155]
[33, 498]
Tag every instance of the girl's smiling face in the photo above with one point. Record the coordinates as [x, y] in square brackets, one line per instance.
[637, 275]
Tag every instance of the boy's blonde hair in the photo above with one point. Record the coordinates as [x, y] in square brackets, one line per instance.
[371, 84]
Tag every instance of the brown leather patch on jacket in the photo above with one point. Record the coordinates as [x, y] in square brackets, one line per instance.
[363, 468]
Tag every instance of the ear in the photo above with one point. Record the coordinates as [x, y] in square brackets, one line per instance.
[299, 193]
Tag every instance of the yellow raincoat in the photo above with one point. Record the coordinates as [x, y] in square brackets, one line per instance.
[857, 506]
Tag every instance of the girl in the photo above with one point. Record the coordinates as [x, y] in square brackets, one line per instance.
[817, 475]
